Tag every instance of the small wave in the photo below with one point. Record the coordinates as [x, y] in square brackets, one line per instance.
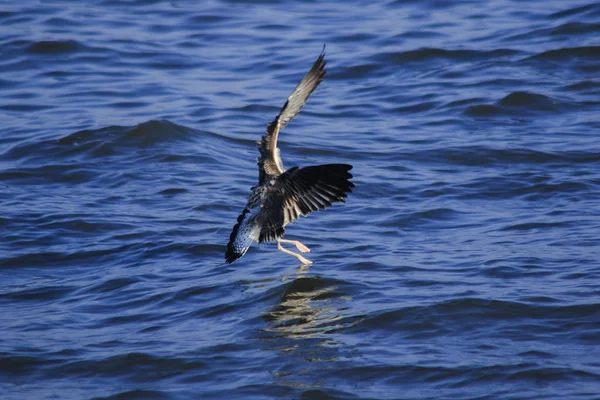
[420, 34]
[536, 353]
[571, 29]
[480, 155]
[529, 100]
[25, 107]
[63, 259]
[565, 54]
[484, 111]
[550, 374]
[63, 22]
[355, 72]
[429, 54]
[55, 47]
[102, 143]
[433, 216]
[15, 365]
[583, 86]
[416, 108]
[440, 318]
[354, 37]
[137, 394]
[208, 19]
[69, 174]
[507, 272]
[574, 29]
[41, 294]
[465, 375]
[132, 364]
[147, 134]
[588, 10]
[521, 267]
[114, 285]
[535, 225]
[173, 191]
[517, 104]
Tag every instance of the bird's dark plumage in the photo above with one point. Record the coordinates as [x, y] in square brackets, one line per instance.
[282, 196]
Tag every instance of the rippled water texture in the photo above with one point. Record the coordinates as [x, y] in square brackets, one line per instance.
[465, 265]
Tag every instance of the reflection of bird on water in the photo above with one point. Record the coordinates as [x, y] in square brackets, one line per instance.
[296, 317]
[281, 196]
[299, 328]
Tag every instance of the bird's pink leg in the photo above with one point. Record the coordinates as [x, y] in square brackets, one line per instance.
[291, 253]
[296, 243]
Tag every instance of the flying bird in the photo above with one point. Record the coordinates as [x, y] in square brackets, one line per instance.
[281, 195]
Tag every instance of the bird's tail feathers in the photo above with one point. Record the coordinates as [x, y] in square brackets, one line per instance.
[241, 238]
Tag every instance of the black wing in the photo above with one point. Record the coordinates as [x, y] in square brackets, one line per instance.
[313, 188]
[300, 191]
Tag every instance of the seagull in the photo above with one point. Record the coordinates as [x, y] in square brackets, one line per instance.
[281, 195]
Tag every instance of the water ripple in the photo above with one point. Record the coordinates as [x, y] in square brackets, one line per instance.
[463, 266]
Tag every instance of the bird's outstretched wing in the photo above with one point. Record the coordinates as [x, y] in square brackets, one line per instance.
[313, 188]
[300, 191]
[269, 163]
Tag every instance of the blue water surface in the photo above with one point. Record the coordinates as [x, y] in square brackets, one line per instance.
[465, 264]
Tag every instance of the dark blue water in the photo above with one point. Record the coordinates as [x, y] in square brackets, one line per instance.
[465, 265]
